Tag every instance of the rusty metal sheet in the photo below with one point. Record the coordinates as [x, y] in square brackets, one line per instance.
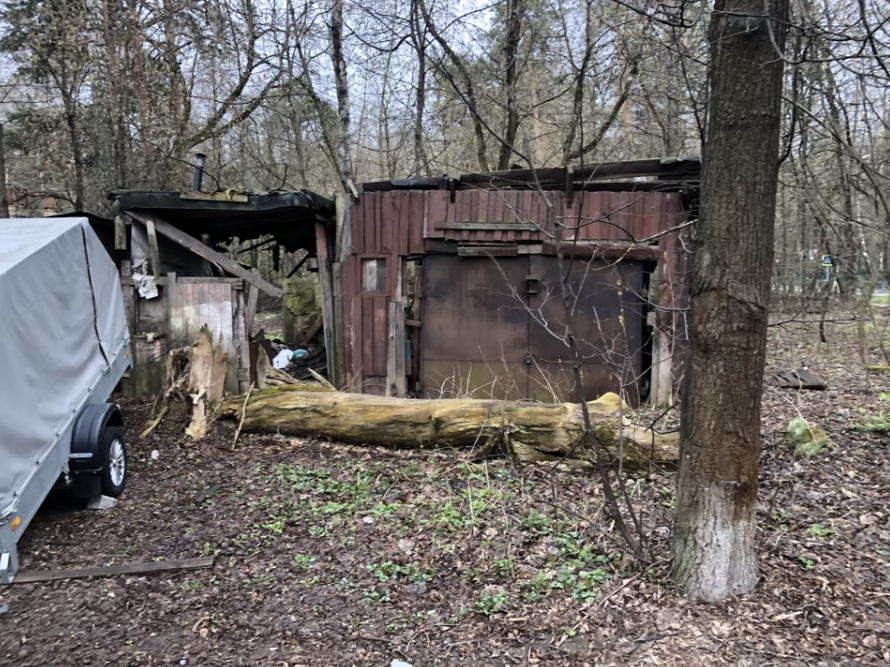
[474, 379]
[608, 326]
[472, 315]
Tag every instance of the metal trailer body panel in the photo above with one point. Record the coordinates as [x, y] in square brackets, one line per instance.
[64, 344]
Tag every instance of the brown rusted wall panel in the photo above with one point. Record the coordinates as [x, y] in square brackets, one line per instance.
[392, 224]
[437, 213]
[415, 220]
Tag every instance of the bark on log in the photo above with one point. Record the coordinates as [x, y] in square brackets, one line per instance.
[532, 432]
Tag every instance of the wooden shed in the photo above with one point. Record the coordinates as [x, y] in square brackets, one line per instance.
[455, 286]
[176, 278]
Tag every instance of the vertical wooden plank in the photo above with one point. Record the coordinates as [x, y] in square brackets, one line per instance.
[367, 337]
[378, 222]
[661, 382]
[522, 214]
[416, 220]
[357, 224]
[389, 209]
[491, 213]
[327, 298]
[239, 331]
[600, 204]
[481, 214]
[395, 358]
[463, 213]
[339, 341]
[250, 311]
[345, 308]
[436, 214]
[356, 343]
[153, 245]
[380, 334]
[403, 228]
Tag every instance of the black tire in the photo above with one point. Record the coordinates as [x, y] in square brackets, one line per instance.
[113, 450]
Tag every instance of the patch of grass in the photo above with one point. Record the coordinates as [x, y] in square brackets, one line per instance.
[489, 603]
[504, 567]
[817, 530]
[537, 522]
[374, 597]
[536, 587]
[873, 424]
[806, 563]
[303, 562]
[387, 571]
[192, 585]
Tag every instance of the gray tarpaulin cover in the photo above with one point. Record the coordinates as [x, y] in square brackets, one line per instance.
[62, 323]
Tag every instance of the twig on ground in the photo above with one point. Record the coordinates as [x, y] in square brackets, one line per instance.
[243, 415]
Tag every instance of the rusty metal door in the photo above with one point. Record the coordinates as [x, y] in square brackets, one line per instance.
[606, 306]
[474, 327]
[497, 328]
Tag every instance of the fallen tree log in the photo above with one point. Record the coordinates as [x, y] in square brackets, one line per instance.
[531, 432]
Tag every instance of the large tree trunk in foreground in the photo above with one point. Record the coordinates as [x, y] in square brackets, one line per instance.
[528, 431]
[714, 534]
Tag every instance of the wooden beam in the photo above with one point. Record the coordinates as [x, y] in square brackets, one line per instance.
[223, 195]
[299, 264]
[111, 570]
[312, 330]
[487, 251]
[253, 295]
[605, 250]
[490, 226]
[120, 233]
[153, 246]
[326, 289]
[189, 242]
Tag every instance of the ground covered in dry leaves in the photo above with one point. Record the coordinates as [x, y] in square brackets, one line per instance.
[334, 555]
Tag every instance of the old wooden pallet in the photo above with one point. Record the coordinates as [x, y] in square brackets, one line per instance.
[797, 379]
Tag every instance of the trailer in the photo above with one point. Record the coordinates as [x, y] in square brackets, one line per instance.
[64, 347]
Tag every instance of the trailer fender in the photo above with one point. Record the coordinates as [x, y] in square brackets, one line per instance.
[86, 459]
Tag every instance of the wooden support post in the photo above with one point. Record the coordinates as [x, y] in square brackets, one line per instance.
[395, 358]
[327, 298]
[661, 391]
[153, 245]
[252, 298]
[120, 233]
[239, 329]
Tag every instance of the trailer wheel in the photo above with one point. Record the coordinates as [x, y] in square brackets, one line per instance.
[113, 449]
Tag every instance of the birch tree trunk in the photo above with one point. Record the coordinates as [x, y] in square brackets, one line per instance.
[715, 530]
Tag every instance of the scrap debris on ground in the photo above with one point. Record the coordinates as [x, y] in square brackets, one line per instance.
[341, 555]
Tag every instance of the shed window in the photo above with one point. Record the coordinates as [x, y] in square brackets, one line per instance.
[373, 275]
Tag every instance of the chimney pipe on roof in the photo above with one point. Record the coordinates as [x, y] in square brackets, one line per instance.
[200, 160]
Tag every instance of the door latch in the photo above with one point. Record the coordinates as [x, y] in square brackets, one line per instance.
[528, 360]
[531, 284]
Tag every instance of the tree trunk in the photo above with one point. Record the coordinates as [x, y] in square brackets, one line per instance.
[511, 75]
[715, 530]
[529, 431]
[4, 195]
[344, 155]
